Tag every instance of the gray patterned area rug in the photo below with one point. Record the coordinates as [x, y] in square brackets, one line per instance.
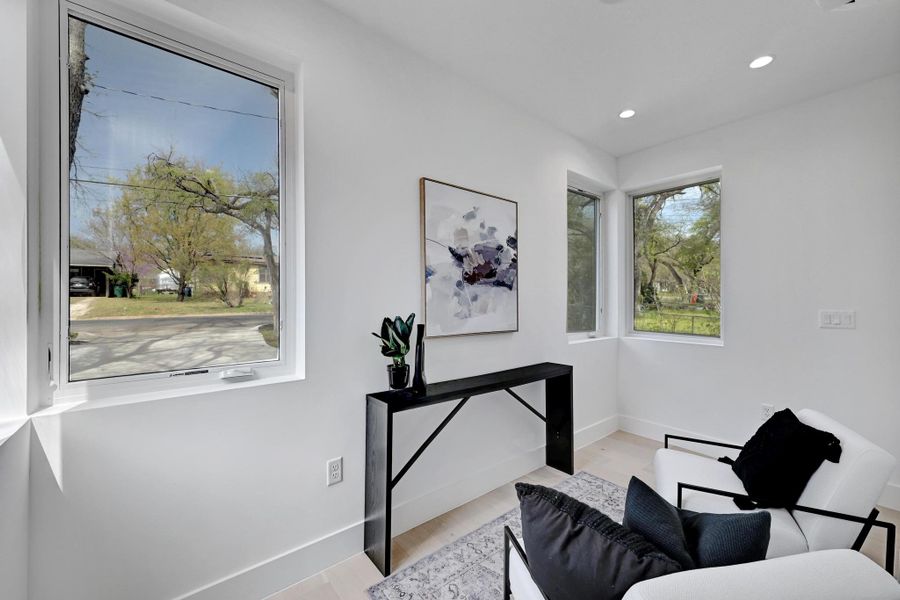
[471, 567]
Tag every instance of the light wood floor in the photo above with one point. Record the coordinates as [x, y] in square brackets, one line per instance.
[615, 458]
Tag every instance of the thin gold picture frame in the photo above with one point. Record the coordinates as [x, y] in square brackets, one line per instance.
[423, 257]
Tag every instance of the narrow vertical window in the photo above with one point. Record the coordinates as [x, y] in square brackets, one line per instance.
[584, 293]
[677, 261]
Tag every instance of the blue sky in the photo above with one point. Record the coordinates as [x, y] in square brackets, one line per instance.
[683, 210]
[121, 125]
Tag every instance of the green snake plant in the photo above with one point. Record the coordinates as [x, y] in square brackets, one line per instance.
[394, 338]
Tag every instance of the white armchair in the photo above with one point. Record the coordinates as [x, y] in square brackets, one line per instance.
[835, 511]
[824, 575]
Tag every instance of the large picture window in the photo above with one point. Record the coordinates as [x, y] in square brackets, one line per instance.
[172, 208]
[677, 261]
[584, 310]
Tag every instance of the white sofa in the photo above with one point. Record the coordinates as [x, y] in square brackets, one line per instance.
[852, 487]
[824, 575]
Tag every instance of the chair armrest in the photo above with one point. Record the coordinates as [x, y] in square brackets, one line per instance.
[870, 521]
[669, 436]
[510, 541]
[820, 575]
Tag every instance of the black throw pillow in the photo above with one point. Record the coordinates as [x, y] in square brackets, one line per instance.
[576, 552]
[708, 540]
[777, 462]
[650, 515]
[728, 539]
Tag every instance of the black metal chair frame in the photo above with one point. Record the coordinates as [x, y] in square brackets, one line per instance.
[510, 542]
[867, 522]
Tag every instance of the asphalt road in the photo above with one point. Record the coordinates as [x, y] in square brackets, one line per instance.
[112, 347]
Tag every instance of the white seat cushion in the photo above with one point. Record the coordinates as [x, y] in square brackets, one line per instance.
[521, 584]
[826, 575]
[852, 486]
[672, 466]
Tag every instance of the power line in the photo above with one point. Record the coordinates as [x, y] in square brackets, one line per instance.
[184, 102]
[147, 187]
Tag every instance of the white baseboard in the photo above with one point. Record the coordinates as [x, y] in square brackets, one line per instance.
[891, 496]
[655, 431]
[275, 574]
[597, 431]
[415, 511]
[279, 572]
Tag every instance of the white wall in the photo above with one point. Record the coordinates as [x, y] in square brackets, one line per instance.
[156, 499]
[13, 224]
[14, 438]
[14, 532]
[810, 217]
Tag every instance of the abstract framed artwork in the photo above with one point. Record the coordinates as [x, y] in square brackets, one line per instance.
[470, 255]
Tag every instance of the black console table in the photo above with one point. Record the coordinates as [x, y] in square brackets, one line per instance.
[380, 409]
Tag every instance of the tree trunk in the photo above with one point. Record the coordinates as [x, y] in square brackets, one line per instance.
[78, 87]
[274, 277]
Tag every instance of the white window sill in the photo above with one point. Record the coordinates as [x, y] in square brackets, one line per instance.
[9, 427]
[83, 402]
[673, 338]
[583, 338]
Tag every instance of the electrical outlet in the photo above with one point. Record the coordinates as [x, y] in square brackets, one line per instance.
[767, 411]
[837, 319]
[334, 471]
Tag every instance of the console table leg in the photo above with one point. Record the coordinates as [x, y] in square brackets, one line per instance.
[560, 424]
[377, 528]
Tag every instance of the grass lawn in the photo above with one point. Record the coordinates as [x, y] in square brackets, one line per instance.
[268, 333]
[678, 320]
[161, 305]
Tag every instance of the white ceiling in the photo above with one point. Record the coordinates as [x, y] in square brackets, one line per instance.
[681, 64]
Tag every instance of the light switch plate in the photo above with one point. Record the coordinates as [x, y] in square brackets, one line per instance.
[837, 319]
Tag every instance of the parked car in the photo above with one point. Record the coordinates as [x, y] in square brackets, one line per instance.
[81, 286]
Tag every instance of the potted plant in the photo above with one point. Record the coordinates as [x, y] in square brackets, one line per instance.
[394, 338]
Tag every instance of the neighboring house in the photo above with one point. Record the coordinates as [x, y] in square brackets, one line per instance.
[94, 266]
[252, 269]
[258, 279]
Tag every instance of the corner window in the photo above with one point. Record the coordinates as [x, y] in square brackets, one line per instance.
[172, 207]
[584, 310]
[677, 261]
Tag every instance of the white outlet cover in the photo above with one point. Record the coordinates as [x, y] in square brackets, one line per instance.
[334, 471]
[837, 319]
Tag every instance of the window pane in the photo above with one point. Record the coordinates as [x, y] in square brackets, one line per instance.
[677, 269]
[174, 204]
[581, 314]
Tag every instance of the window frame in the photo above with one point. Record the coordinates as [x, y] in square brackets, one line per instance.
[600, 223]
[627, 281]
[55, 209]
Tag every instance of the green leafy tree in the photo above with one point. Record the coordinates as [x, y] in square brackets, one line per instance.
[169, 231]
[582, 263]
[253, 200]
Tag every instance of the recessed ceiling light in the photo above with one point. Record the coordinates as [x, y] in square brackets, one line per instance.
[762, 61]
[626, 114]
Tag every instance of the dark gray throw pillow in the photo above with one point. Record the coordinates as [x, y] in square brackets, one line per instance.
[576, 552]
[711, 540]
[648, 514]
[727, 539]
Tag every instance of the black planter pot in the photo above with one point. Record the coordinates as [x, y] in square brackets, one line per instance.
[398, 376]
